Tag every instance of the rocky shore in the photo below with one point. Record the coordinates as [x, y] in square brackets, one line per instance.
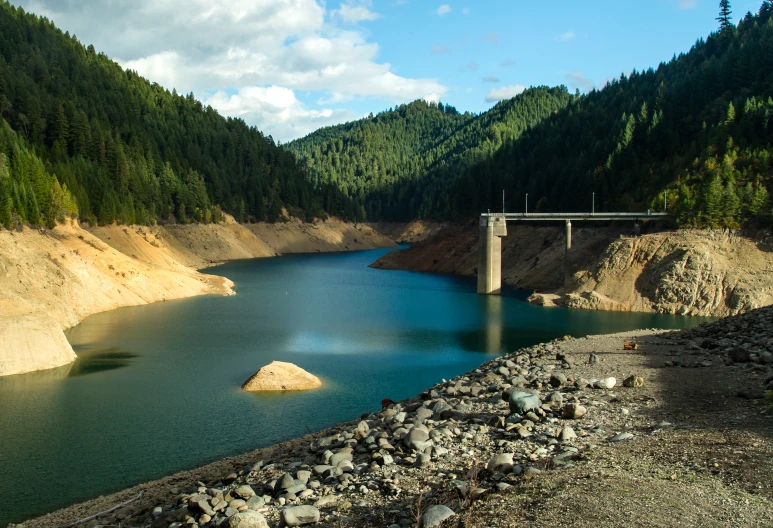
[712, 273]
[575, 432]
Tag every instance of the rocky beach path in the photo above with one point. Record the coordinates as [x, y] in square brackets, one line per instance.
[576, 432]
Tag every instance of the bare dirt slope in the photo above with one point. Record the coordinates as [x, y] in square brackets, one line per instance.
[687, 272]
[697, 272]
[51, 280]
[409, 232]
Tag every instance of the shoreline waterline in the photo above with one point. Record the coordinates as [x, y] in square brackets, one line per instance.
[340, 319]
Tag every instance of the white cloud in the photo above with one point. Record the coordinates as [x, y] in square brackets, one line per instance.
[470, 66]
[440, 49]
[504, 92]
[275, 110]
[161, 67]
[353, 13]
[443, 10]
[566, 37]
[490, 79]
[466, 11]
[509, 63]
[578, 79]
[225, 46]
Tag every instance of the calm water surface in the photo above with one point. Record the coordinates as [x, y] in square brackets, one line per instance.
[156, 388]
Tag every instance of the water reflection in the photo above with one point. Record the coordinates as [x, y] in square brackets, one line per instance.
[32, 379]
[493, 322]
[99, 360]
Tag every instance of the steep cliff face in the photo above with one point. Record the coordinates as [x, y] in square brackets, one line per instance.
[701, 272]
[51, 280]
[711, 273]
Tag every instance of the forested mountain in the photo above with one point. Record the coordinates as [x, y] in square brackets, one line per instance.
[695, 133]
[402, 163]
[78, 133]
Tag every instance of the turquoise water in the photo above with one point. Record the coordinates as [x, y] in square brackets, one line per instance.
[156, 389]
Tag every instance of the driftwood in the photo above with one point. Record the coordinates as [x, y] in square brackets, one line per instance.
[104, 512]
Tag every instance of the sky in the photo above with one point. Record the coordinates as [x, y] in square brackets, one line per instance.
[290, 67]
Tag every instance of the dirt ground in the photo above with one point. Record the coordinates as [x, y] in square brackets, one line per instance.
[712, 466]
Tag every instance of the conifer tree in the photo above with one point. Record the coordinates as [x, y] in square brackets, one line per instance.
[713, 195]
[724, 16]
[759, 202]
[33, 208]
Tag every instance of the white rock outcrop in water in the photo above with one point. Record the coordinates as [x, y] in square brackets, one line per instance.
[32, 342]
[281, 376]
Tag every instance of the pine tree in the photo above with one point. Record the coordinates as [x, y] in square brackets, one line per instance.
[731, 206]
[759, 202]
[712, 199]
[33, 208]
[724, 16]
[730, 119]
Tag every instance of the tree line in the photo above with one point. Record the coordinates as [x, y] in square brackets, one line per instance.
[402, 163]
[694, 135]
[120, 148]
[79, 135]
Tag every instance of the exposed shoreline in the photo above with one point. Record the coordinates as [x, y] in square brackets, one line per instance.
[50, 280]
[710, 273]
[677, 411]
[182, 245]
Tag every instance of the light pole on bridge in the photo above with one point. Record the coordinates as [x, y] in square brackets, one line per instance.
[593, 204]
[526, 210]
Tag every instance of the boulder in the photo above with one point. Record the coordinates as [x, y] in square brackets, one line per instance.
[523, 402]
[739, 355]
[606, 383]
[502, 463]
[434, 515]
[245, 491]
[574, 411]
[299, 516]
[247, 519]
[633, 382]
[280, 376]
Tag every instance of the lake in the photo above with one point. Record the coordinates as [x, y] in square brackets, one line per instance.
[156, 388]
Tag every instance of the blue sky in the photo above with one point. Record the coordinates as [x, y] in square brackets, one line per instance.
[291, 66]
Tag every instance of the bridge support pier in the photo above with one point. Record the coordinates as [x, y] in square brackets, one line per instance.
[492, 229]
[568, 249]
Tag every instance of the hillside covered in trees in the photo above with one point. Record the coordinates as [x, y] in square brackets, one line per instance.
[78, 134]
[402, 163]
[695, 133]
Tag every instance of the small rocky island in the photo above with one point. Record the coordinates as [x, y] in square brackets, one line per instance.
[281, 376]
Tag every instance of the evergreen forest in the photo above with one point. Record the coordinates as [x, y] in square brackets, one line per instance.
[402, 163]
[81, 136]
[693, 135]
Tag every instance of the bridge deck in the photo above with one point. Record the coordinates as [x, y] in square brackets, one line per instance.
[544, 217]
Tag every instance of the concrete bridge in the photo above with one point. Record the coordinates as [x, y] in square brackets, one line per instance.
[493, 226]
